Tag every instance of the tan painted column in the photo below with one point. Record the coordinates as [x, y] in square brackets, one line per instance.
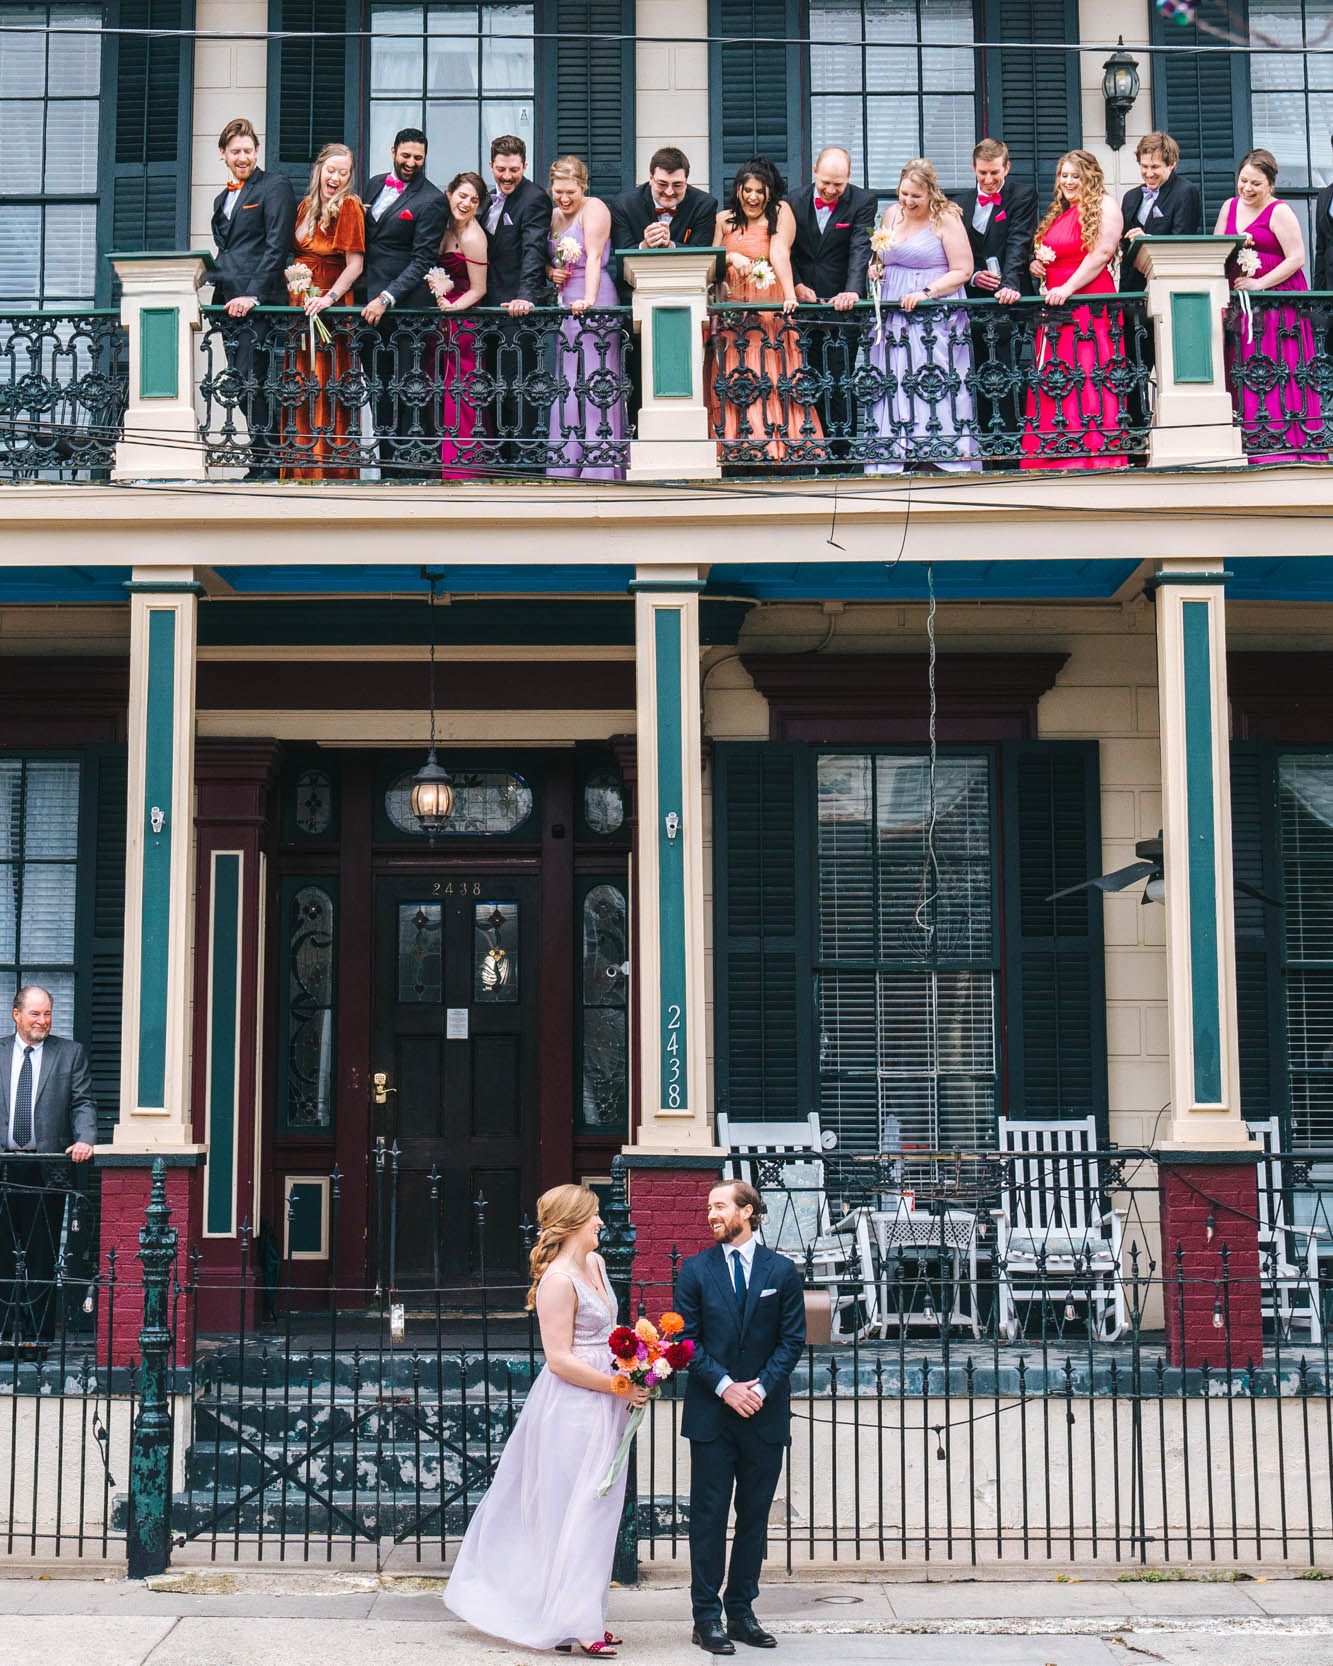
[669, 940]
[159, 841]
[1197, 858]
[670, 306]
[159, 307]
[1187, 294]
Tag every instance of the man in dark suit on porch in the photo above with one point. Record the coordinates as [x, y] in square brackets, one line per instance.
[1166, 204]
[254, 222]
[744, 1310]
[1323, 239]
[829, 261]
[404, 224]
[1000, 215]
[666, 213]
[48, 1107]
[517, 223]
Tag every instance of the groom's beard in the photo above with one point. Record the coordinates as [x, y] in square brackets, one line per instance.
[727, 1234]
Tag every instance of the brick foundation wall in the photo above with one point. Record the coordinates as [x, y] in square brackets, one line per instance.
[667, 1207]
[1192, 1283]
[124, 1198]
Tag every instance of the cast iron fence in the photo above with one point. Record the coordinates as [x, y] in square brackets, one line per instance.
[63, 390]
[1280, 372]
[419, 396]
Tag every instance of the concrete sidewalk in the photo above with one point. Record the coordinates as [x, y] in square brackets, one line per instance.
[289, 1617]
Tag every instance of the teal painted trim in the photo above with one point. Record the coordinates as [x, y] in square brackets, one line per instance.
[673, 361]
[167, 587]
[1191, 336]
[305, 1219]
[159, 352]
[1205, 979]
[155, 907]
[225, 967]
[671, 1019]
[666, 587]
[1155, 581]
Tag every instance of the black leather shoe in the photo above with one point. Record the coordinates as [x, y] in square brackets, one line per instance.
[746, 1629]
[709, 1635]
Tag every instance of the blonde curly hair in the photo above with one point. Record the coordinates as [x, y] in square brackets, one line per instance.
[560, 1213]
[923, 172]
[1089, 202]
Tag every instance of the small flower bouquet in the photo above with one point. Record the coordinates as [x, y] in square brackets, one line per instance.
[1045, 254]
[881, 241]
[567, 251]
[1248, 262]
[300, 281]
[762, 275]
[644, 1358]
[440, 285]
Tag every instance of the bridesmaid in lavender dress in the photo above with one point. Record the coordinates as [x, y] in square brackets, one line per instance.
[587, 430]
[535, 1564]
[1287, 416]
[928, 258]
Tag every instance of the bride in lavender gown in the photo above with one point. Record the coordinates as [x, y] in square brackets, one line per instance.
[535, 1564]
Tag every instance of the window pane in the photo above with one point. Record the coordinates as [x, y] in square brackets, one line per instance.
[605, 1068]
[387, 116]
[74, 59]
[71, 145]
[395, 64]
[949, 137]
[9, 911]
[503, 115]
[20, 253]
[23, 61]
[506, 49]
[11, 780]
[893, 137]
[51, 809]
[46, 930]
[21, 136]
[58, 982]
[837, 121]
[451, 52]
[70, 266]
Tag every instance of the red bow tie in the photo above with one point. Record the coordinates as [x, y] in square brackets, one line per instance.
[985, 198]
[392, 184]
[234, 184]
[820, 203]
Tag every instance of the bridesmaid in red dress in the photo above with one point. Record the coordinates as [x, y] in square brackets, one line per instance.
[463, 257]
[1072, 419]
[331, 241]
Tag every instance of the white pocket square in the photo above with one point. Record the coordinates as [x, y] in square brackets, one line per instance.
[763, 1293]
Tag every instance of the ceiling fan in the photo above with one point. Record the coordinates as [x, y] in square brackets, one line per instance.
[1149, 867]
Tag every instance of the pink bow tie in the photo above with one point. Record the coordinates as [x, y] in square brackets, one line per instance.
[985, 199]
[392, 184]
[820, 203]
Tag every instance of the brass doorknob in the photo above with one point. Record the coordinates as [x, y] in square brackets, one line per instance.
[382, 1090]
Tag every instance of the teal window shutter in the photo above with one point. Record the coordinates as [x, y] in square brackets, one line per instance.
[1055, 977]
[754, 88]
[312, 86]
[1261, 1017]
[1201, 99]
[594, 90]
[762, 947]
[1033, 98]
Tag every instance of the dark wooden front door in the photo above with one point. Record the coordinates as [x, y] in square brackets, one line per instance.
[456, 1038]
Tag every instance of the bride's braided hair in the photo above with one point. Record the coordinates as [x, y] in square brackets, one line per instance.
[560, 1213]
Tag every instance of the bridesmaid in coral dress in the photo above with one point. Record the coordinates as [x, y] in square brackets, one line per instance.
[1072, 419]
[463, 259]
[1280, 419]
[331, 244]
[757, 229]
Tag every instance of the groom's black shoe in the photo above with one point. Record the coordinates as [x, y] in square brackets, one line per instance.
[709, 1635]
[746, 1629]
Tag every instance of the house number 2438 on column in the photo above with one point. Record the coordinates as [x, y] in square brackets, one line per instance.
[672, 1053]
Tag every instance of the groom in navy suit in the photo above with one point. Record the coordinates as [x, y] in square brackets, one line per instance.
[744, 1310]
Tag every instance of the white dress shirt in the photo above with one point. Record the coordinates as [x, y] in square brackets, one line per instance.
[981, 216]
[823, 215]
[16, 1064]
[386, 199]
[746, 1253]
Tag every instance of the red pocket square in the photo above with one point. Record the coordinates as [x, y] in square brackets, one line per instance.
[842, 225]
[406, 214]
[999, 217]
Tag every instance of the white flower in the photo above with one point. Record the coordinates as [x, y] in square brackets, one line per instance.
[439, 283]
[299, 278]
[762, 275]
[1045, 253]
[1248, 261]
[881, 240]
[661, 1370]
[567, 250]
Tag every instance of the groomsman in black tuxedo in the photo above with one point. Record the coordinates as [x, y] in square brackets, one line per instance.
[517, 222]
[1323, 239]
[744, 1310]
[254, 221]
[405, 216]
[666, 213]
[1000, 216]
[1165, 205]
[829, 260]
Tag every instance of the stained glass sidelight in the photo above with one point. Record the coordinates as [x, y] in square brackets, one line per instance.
[306, 1093]
[313, 804]
[604, 999]
[495, 952]
[604, 804]
[420, 954]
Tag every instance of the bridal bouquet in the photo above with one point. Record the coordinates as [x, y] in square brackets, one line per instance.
[440, 284]
[300, 281]
[645, 1357]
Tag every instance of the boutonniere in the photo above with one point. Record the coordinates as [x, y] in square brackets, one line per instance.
[406, 214]
[999, 216]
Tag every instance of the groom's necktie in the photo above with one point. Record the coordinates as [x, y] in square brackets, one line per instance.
[738, 1277]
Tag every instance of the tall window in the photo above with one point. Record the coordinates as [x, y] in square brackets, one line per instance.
[907, 959]
[464, 74]
[39, 841]
[894, 79]
[1305, 814]
[50, 85]
[1292, 98]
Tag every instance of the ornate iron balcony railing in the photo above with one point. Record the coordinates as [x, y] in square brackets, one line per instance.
[63, 389]
[1280, 372]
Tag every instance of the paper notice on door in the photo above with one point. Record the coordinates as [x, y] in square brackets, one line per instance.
[455, 1023]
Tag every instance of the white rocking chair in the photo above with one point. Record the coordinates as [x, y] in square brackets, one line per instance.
[1288, 1255]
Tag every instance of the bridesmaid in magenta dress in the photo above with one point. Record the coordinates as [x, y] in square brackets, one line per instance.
[587, 435]
[463, 258]
[1080, 428]
[1287, 414]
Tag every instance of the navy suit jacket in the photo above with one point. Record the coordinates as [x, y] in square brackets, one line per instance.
[255, 245]
[765, 1342]
[400, 252]
[1177, 212]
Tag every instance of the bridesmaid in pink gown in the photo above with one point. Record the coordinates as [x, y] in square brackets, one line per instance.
[1286, 415]
[463, 257]
[1072, 419]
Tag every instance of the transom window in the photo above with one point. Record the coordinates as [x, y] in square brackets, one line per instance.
[1292, 99]
[906, 954]
[50, 86]
[463, 74]
[909, 90]
[39, 848]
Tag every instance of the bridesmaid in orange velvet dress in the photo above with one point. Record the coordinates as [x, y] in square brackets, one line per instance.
[757, 229]
[331, 241]
[1076, 428]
